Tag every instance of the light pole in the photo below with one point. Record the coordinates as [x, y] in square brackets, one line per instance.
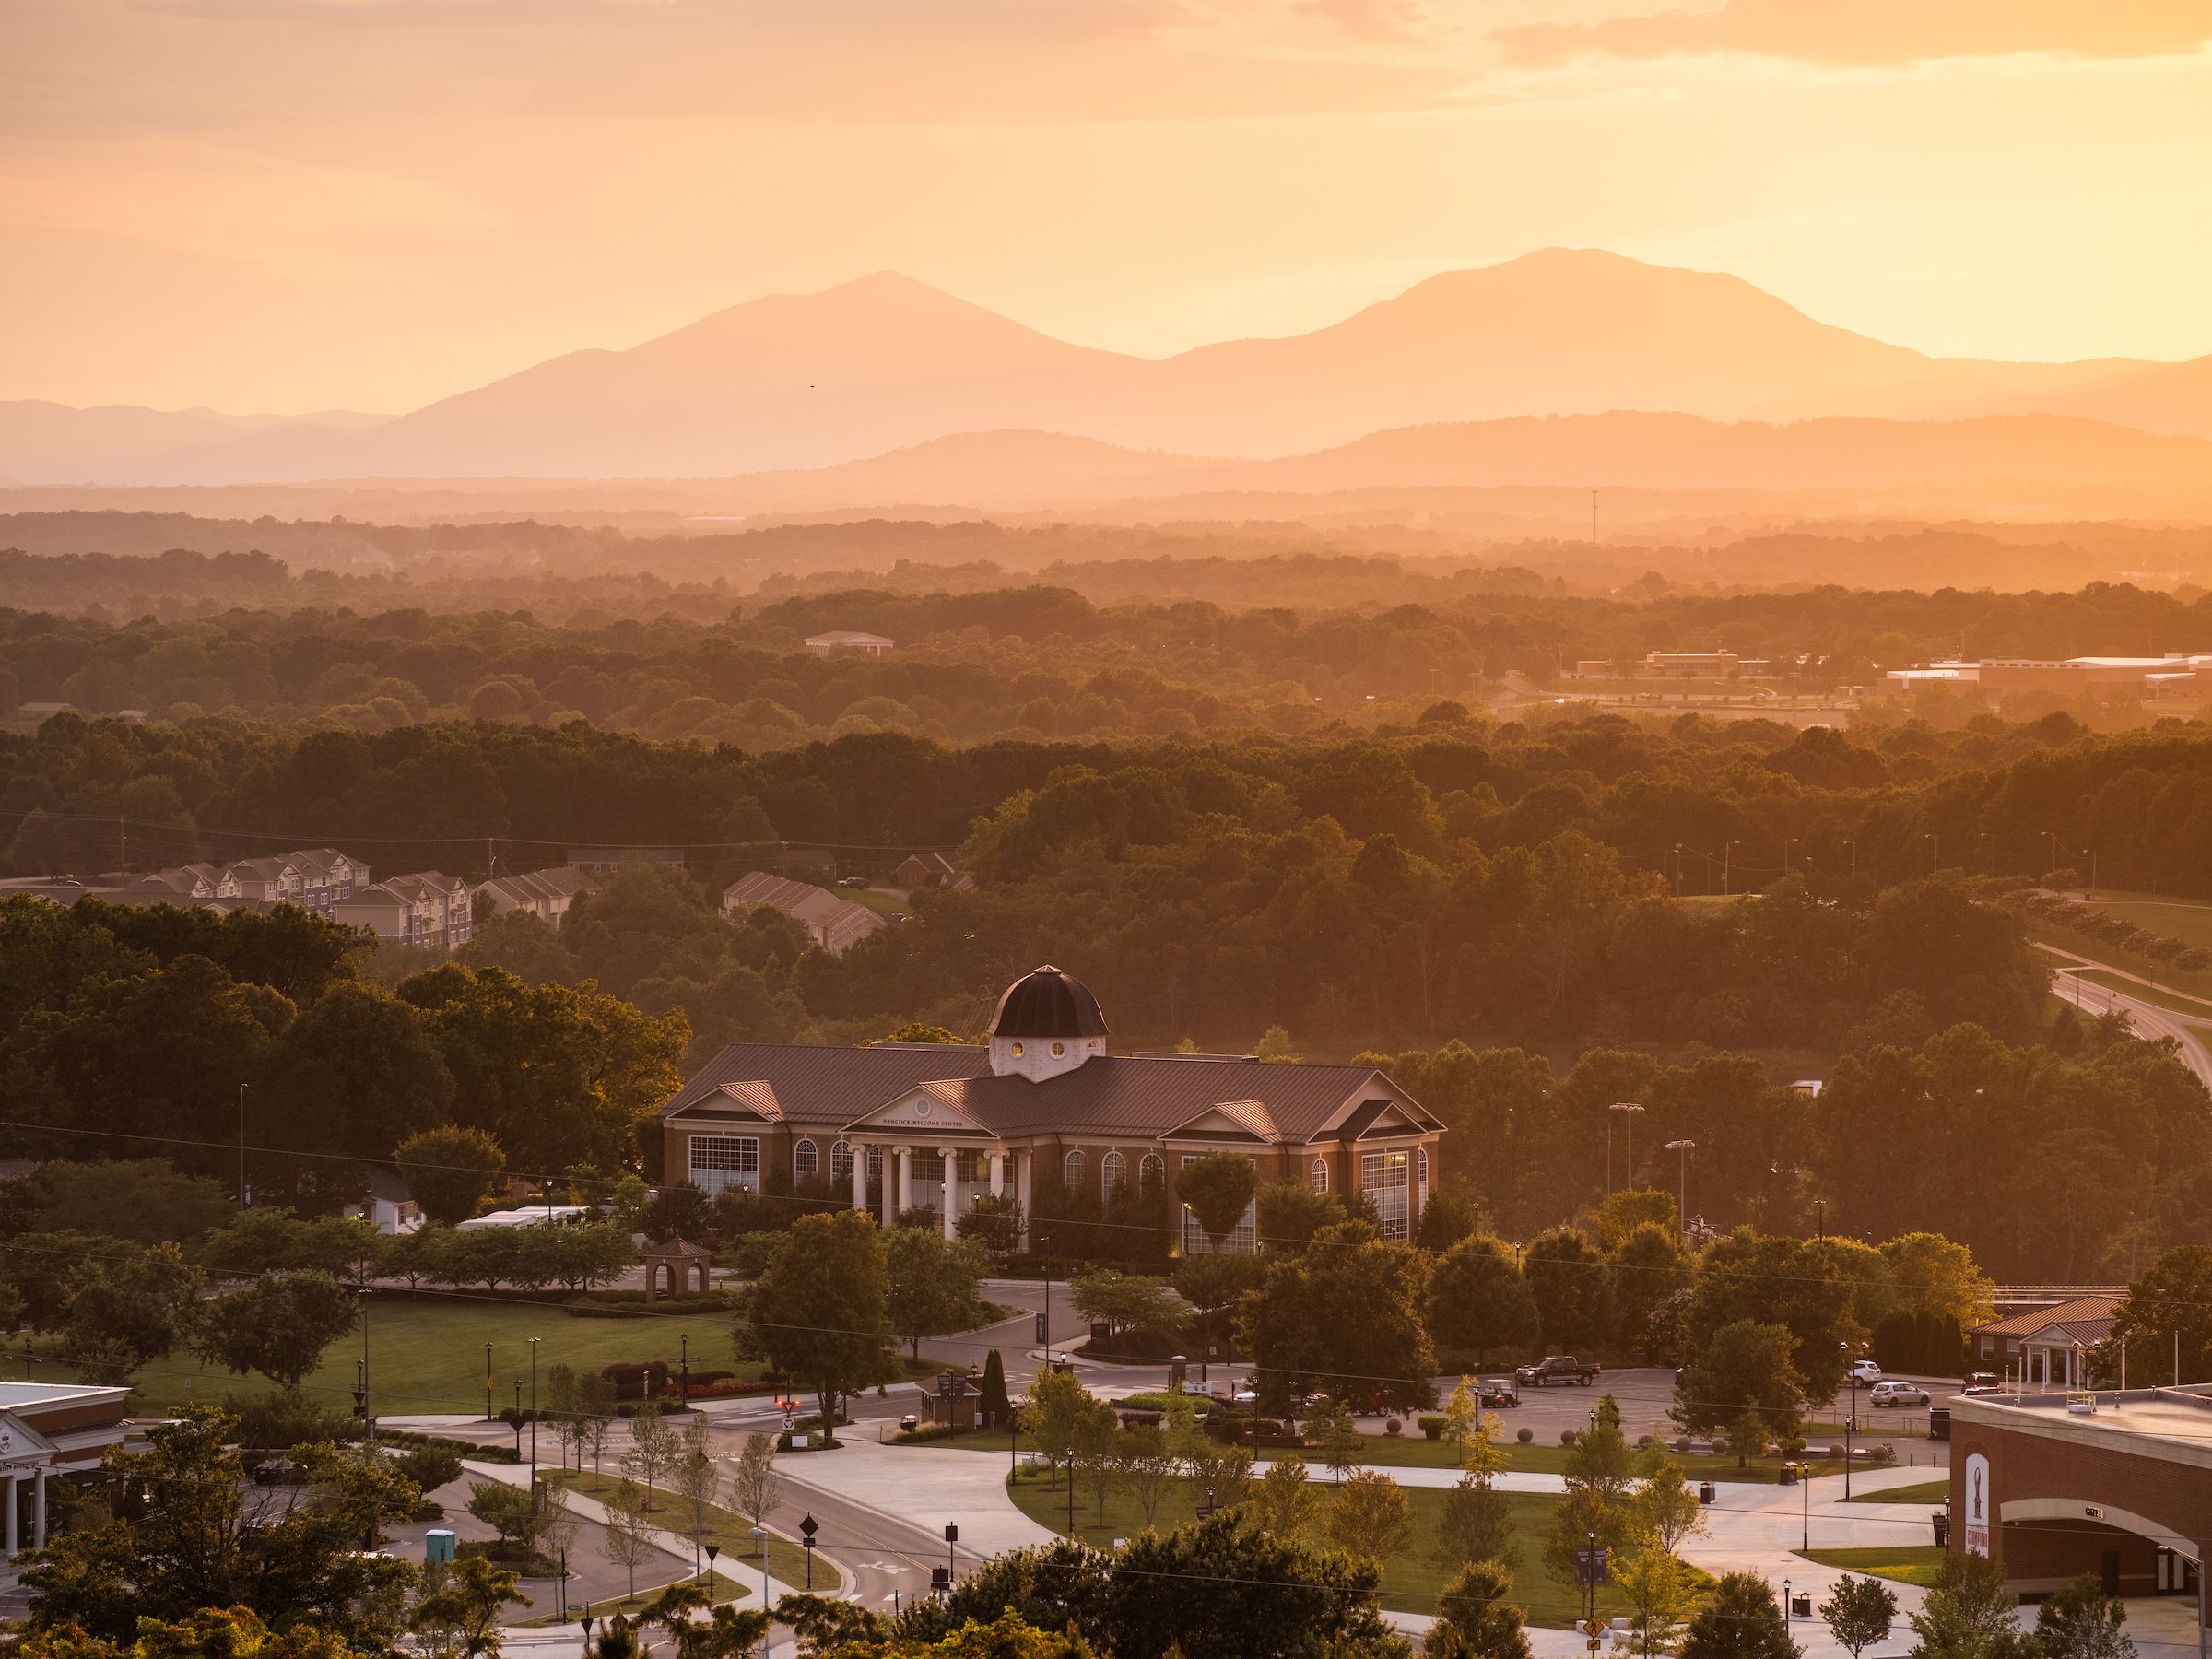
[241, 1144]
[488, 1412]
[1728, 859]
[1935, 840]
[1804, 1480]
[534, 1424]
[1683, 1148]
[1855, 858]
[1628, 1109]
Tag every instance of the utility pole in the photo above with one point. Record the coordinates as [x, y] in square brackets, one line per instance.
[241, 1144]
[1593, 518]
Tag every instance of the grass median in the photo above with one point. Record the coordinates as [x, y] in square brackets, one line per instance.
[1919, 1564]
[732, 1532]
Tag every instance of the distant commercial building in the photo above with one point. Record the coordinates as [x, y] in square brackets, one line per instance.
[2115, 1485]
[843, 639]
[2174, 673]
[601, 860]
[50, 1429]
[836, 924]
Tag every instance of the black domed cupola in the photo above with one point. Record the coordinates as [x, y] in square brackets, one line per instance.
[1047, 1023]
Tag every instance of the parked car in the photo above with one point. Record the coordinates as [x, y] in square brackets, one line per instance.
[1865, 1370]
[1497, 1390]
[1982, 1382]
[1899, 1394]
[852, 881]
[1559, 1367]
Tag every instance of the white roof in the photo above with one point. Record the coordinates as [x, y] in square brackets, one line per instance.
[539, 1215]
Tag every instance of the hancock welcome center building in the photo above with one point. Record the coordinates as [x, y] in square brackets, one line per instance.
[940, 1126]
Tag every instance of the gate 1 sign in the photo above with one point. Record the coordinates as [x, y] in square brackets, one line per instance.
[1977, 1504]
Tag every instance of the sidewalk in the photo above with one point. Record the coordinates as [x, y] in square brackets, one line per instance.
[918, 1486]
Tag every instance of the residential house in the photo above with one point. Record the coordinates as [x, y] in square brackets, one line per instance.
[836, 924]
[390, 1206]
[928, 869]
[546, 894]
[1042, 1109]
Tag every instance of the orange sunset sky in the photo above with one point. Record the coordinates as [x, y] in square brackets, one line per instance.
[290, 204]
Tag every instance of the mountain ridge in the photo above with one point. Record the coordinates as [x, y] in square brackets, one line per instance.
[883, 362]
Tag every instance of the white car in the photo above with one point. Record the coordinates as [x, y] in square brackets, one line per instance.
[1899, 1394]
[1865, 1370]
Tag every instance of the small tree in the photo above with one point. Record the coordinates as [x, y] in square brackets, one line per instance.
[753, 1487]
[1123, 1302]
[507, 1510]
[1463, 1413]
[1371, 1516]
[459, 1612]
[1051, 1413]
[1148, 1467]
[1289, 1212]
[1287, 1501]
[1665, 1506]
[1476, 1524]
[653, 1449]
[933, 1283]
[1747, 1366]
[1859, 1612]
[1970, 1614]
[1739, 1620]
[1341, 1442]
[1094, 1451]
[2079, 1621]
[596, 1403]
[696, 1477]
[1474, 1620]
[1217, 1189]
[1656, 1585]
[449, 1170]
[628, 1540]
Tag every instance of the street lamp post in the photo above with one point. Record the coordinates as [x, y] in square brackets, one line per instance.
[488, 1412]
[534, 1424]
[1683, 1148]
[1628, 1109]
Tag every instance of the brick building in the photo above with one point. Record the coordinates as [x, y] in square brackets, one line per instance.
[2117, 1485]
[904, 1126]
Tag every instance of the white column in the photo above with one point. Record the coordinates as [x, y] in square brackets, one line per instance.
[952, 1181]
[8, 1543]
[1023, 1161]
[998, 1174]
[890, 1186]
[38, 1511]
[906, 1178]
[860, 1175]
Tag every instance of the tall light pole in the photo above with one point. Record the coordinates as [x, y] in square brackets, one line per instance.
[1628, 1109]
[241, 1144]
[1935, 840]
[1683, 1148]
[534, 1425]
[1727, 863]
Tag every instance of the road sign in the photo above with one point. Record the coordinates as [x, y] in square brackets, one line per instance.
[807, 1528]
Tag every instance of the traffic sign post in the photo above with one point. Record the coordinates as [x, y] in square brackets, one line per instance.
[807, 1528]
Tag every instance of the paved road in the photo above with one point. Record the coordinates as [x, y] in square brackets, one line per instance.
[2149, 1018]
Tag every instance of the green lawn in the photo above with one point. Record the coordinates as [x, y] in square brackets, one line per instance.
[1927, 1491]
[427, 1356]
[1919, 1564]
[2157, 995]
[1419, 1452]
[786, 1557]
[2176, 918]
[1411, 1578]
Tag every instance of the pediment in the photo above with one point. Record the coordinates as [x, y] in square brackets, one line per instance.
[1228, 1121]
[924, 1111]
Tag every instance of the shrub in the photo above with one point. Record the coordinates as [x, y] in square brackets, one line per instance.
[1566, 1437]
[629, 1379]
[1884, 1452]
[1433, 1427]
[1394, 1427]
[1836, 1452]
[924, 1433]
[1720, 1442]
[1525, 1435]
[276, 1421]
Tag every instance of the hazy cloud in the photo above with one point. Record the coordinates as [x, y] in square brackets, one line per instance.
[1868, 34]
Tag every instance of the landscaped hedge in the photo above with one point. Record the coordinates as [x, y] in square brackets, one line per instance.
[629, 1379]
[631, 1304]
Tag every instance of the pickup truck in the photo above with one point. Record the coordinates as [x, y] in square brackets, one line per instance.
[1560, 1368]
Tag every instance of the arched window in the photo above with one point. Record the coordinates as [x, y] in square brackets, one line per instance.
[1152, 1173]
[1073, 1168]
[841, 1161]
[1113, 1169]
[805, 1160]
[1319, 1175]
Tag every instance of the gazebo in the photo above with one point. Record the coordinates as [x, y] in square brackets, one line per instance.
[680, 1257]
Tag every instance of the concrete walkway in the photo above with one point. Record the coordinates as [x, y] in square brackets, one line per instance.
[925, 1487]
